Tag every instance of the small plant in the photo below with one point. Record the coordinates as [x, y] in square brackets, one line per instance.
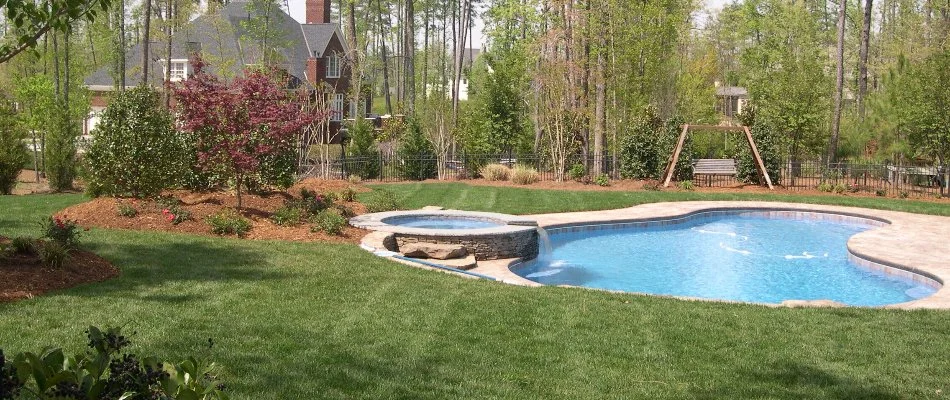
[880, 192]
[825, 187]
[602, 180]
[23, 245]
[53, 254]
[62, 230]
[495, 172]
[903, 194]
[839, 188]
[852, 188]
[382, 200]
[344, 210]
[228, 222]
[126, 210]
[523, 175]
[651, 186]
[686, 185]
[355, 179]
[312, 202]
[172, 210]
[577, 172]
[348, 194]
[287, 216]
[329, 221]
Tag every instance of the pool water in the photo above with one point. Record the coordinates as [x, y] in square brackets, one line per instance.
[741, 258]
[432, 222]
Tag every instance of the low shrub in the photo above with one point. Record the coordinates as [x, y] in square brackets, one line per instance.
[651, 186]
[348, 194]
[355, 179]
[880, 192]
[495, 172]
[382, 200]
[577, 172]
[344, 210]
[106, 371]
[61, 230]
[602, 180]
[172, 210]
[329, 221]
[13, 153]
[825, 187]
[903, 194]
[839, 188]
[23, 245]
[522, 175]
[53, 254]
[312, 202]
[288, 216]
[686, 185]
[228, 222]
[127, 210]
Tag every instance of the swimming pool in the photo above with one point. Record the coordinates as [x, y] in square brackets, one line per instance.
[739, 257]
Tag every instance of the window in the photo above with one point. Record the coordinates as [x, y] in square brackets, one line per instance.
[336, 107]
[333, 66]
[179, 70]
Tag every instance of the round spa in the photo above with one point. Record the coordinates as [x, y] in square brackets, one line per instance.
[489, 236]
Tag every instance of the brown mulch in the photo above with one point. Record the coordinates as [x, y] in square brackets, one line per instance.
[25, 276]
[258, 208]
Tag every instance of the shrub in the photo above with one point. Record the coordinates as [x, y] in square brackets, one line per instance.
[903, 194]
[172, 210]
[228, 222]
[686, 185]
[106, 371]
[53, 254]
[382, 200]
[417, 154]
[577, 172]
[348, 194]
[61, 230]
[651, 186]
[135, 150]
[13, 152]
[880, 192]
[60, 150]
[329, 221]
[344, 210]
[362, 150]
[127, 210]
[495, 172]
[355, 179]
[825, 187]
[523, 175]
[311, 202]
[646, 147]
[23, 245]
[287, 216]
[839, 188]
[602, 180]
[766, 142]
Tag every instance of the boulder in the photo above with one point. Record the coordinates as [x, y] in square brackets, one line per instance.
[459, 263]
[432, 250]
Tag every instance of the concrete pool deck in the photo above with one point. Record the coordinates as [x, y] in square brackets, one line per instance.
[916, 246]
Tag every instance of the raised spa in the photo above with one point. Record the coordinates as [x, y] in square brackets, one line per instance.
[756, 257]
[442, 222]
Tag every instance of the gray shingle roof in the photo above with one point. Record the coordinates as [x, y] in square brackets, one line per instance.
[222, 39]
[736, 91]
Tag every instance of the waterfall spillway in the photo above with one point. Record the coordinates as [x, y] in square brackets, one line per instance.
[544, 249]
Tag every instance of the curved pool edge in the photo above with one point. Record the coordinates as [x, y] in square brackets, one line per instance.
[903, 242]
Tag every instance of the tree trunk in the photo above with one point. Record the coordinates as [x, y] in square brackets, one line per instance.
[121, 53]
[425, 52]
[599, 111]
[356, 70]
[146, 35]
[839, 85]
[409, 57]
[863, 58]
[382, 40]
[168, 57]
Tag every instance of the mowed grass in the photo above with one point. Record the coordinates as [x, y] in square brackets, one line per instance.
[514, 200]
[305, 321]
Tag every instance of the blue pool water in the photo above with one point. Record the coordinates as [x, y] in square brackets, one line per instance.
[436, 222]
[742, 258]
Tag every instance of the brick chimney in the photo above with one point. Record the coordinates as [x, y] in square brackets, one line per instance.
[318, 11]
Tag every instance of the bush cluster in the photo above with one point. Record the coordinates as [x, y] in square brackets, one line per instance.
[13, 152]
[495, 172]
[648, 145]
[382, 200]
[228, 222]
[417, 154]
[330, 221]
[524, 175]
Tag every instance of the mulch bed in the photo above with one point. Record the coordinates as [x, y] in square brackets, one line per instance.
[258, 208]
[25, 276]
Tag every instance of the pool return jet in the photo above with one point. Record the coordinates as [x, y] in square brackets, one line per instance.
[763, 173]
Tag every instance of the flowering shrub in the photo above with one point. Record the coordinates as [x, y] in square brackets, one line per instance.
[172, 210]
[61, 230]
[228, 222]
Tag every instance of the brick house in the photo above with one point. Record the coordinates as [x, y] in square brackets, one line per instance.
[313, 54]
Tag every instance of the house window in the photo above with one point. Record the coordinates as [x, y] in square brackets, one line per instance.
[336, 107]
[333, 66]
[179, 70]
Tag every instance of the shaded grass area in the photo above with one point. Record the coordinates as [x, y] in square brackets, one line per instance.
[310, 320]
[515, 200]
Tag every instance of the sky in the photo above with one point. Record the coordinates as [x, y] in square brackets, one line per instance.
[297, 11]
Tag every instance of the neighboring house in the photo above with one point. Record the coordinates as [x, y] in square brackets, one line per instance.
[731, 100]
[312, 54]
[468, 58]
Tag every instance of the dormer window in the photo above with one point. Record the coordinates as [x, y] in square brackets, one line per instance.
[333, 65]
[179, 70]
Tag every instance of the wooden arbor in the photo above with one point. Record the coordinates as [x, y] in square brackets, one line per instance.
[763, 173]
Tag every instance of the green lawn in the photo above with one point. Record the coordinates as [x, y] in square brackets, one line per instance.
[535, 201]
[294, 320]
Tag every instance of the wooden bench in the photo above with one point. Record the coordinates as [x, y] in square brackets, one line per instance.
[714, 167]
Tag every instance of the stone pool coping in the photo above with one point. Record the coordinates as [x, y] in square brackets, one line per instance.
[511, 223]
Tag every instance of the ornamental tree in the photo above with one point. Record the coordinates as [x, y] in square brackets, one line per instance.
[238, 123]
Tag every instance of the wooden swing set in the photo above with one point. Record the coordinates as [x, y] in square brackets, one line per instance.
[716, 166]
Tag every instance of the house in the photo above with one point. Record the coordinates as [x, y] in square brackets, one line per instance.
[468, 58]
[312, 54]
[731, 100]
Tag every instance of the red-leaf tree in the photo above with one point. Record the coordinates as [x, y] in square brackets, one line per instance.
[237, 123]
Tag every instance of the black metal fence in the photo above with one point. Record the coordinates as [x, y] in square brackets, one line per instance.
[846, 176]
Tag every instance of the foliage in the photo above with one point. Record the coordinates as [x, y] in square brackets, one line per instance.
[498, 117]
[602, 180]
[135, 149]
[107, 371]
[926, 101]
[649, 143]
[381, 200]
[311, 202]
[363, 146]
[61, 230]
[880, 193]
[228, 222]
[417, 154]
[651, 186]
[240, 124]
[330, 221]
[23, 245]
[577, 172]
[348, 194]
[13, 152]
[60, 150]
[686, 185]
[495, 172]
[52, 253]
[287, 216]
[31, 20]
[172, 211]
[765, 141]
[524, 175]
[127, 210]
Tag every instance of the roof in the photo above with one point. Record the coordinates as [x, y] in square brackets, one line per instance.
[222, 40]
[470, 54]
[735, 91]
